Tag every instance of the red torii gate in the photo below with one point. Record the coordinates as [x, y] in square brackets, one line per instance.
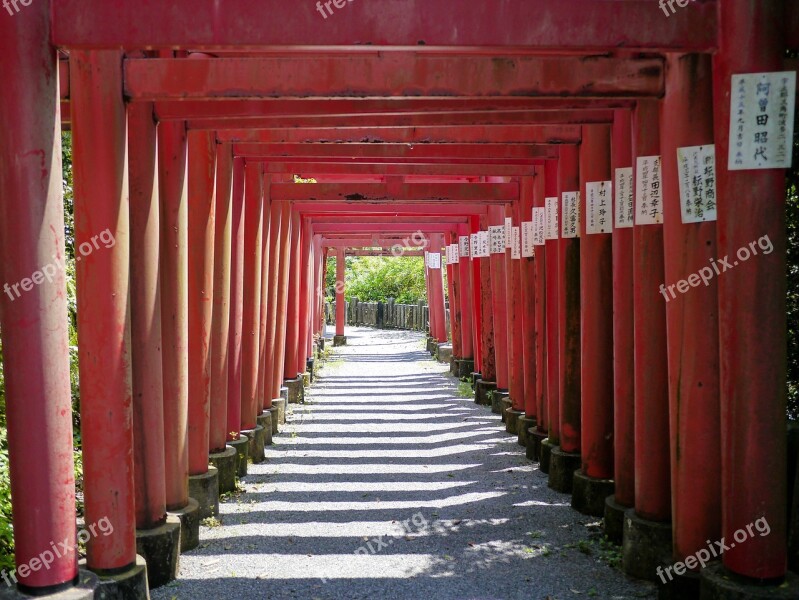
[570, 352]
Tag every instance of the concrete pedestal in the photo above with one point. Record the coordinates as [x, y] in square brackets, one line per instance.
[127, 584]
[189, 517]
[84, 589]
[310, 368]
[453, 366]
[500, 400]
[242, 447]
[562, 466]
[614, 520]
[719, 584]
[680, 587]
[256, 446]
[545, 455]
[339, 340]
[205, 490]
[444, 353]
[280, 404]
[160, 548]
[296, 390]
[265, 421]
[226, 463]
[523, 430]
[483, 391]
[275, 412]
[589, 494]
[306, 382]
[465, 368]
[647, 545]
[475, 378]
[284, 393]
[512, 420]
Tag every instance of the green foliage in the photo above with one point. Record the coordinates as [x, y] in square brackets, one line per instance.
[376, 279]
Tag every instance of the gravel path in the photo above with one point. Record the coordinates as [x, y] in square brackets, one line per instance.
[389, 484]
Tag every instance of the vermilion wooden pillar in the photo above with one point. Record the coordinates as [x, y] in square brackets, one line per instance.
[270, 341]
[499, 303]
[220, 323]
[201, 215]
[568, 310]
[263, 328]
[284, 247]
[545, 425]
[552, 327]
[437, 293]
[593, 483]
[235, 360]
[35, 357]
[623, 343]
[103, 283]
[145, 314]
[516, 330]
[303, 324]
[477, 301]
[687, 120]
[341, 309]
[466, 295]
[528, 302]
[290, 371]
[251, 318]
[752, 325]
[453, 286]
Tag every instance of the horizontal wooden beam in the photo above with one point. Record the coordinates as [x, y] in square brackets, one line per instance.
[382, 228]
[385, 253]
[427, 209]
[461, 134]
[310, 169]
[392, 74]
[386, 219]
[404, 192]
[399, 151]
[478, 25]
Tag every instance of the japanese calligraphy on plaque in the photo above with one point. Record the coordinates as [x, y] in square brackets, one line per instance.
[625, 205]
[528, 233]
[761, 120]
[649, 191]
[434, 260]
[599, 207]
[483, 245]
[474, 250]
[497, 233]
[448, 251]
[516, 243]
[463, 250]
[570, 215]
[508, 232]
[551, 230]
[454, 255]
[697, 173]
[539, 217]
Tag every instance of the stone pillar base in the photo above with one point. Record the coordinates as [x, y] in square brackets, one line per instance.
[160, 548]
[284, 393]
[476, 376]
[444, 353]
[310, 368]
[523, 430]
[562, 466]
[500, 400]
[719, 584]
[453, 366]
[680, 587]
[512, 420]
[256, 438]
[536, 437]
[280, 403]
[339, 340]
[614, 520]
[296, 391]
[275, 412]
[205, 490]
[545, 455]
[465, 366]
[647, 545]
[483, 391]
[85, 588]
[226, 463]
[189, 517]
[589, 494]
[242, 447]
[127, 584]
[306, 382]
[265, 421]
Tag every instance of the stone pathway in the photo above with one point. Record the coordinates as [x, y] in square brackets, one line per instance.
[388, 483]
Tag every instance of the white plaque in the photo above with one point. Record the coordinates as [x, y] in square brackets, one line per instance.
[508, 232]
[625, 204]
[528, 232]
[455, 254]
[539, 216]
[599, 217]
[463, 250]
[435, 260]
[516, 243]
[497, 239]
[697, 173]
[483, 245]
[761, 120]
[474, 250]
[570, 215]
[551, 231]
[648, 191]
